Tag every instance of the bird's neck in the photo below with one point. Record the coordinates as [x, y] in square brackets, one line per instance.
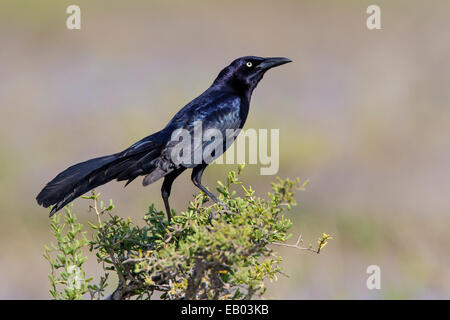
[243, 91]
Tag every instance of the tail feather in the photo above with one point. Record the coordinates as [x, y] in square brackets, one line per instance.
[138, 167]
[73, 182]
[83, 177]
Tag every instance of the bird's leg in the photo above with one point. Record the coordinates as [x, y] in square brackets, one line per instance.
[196, 178]
[166, 188]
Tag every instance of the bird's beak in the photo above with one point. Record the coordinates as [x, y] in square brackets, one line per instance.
[269, 63]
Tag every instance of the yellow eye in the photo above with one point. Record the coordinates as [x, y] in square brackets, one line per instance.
[249, 64]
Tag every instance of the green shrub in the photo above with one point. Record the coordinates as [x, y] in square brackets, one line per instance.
[209, 251]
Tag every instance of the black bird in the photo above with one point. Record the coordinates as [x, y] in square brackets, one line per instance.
[224, 105]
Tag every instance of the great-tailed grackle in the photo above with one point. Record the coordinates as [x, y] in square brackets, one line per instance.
[223, 106]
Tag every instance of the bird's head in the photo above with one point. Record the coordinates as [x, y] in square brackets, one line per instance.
[244, 74]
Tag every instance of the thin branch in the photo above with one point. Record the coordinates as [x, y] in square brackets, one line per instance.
[297, 245]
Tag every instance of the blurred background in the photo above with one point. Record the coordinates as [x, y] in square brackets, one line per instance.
[363, 114]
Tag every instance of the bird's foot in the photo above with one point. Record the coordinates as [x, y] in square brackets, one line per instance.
[225, 207]
[210, 217]
[205, 199]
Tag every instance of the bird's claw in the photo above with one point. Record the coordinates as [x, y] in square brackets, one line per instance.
[224, 206]
[210, 217]
[211, 214]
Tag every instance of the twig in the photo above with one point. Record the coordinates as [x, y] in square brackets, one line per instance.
[297, 245]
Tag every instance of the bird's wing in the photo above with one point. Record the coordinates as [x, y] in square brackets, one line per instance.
[217, 117]
[211, 111]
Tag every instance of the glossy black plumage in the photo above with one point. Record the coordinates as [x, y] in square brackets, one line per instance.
[224, 105]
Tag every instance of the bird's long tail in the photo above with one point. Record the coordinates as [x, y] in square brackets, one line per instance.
[85, 176]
